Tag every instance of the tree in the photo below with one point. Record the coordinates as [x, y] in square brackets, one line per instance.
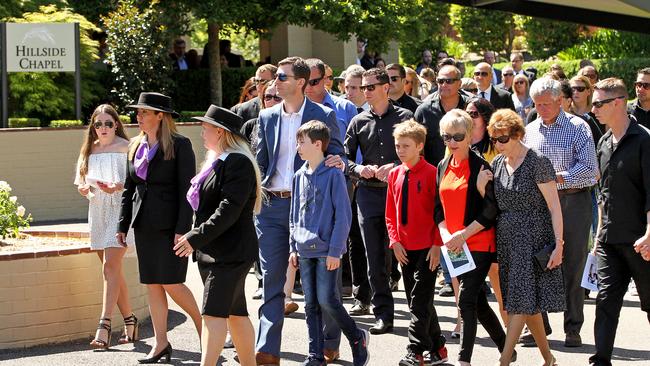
[483, 30]
[547, 37]
[423, 29]
[609, 43]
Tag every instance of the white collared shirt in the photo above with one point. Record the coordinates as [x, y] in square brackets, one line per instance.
[289, 124]
[488, 93]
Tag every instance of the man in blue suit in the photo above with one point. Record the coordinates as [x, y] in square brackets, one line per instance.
[278, 161]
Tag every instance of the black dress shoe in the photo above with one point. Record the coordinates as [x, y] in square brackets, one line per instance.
[381, 327]
[167, 353]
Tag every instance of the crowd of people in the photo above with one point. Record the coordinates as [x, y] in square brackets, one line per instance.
[373, 186]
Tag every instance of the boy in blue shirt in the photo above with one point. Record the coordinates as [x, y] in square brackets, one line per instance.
[319, 222]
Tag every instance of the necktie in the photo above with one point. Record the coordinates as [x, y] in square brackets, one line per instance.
[483, 95]
[405, 198]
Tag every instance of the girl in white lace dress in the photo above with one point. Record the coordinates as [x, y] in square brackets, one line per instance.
[101, 171]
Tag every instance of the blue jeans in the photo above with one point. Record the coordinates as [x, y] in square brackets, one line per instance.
[320, 288]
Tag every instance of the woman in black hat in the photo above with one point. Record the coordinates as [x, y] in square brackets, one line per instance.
[225, 195]
[160, 166]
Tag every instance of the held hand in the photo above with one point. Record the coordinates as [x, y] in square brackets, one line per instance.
[484, 176]
[642, 246]
[368, 171]
[400, 253]
[335, 161]
[433, 257]
[293, 259]
[556, 257]
[83, 189]
[106, 187]
[455, 244]
[182, 247]
[332, 263]
[382, 171]
[121, 239]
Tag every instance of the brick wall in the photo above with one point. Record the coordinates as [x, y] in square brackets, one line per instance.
[58, 299]
[39, 164]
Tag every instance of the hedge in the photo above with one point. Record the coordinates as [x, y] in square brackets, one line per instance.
[18, 122]
[61, 123]
[186, 116]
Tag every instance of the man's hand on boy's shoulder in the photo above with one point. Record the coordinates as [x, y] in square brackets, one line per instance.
[400, 253]
[332, 263]
[335, 161]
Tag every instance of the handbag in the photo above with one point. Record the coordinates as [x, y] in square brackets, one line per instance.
[542, 257]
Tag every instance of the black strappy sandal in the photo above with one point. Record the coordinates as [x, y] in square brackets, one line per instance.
[104, 323]
[133, 321]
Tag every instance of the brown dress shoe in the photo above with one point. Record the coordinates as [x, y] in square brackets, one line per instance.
[262, 358]
[331, 355]
[290, 307]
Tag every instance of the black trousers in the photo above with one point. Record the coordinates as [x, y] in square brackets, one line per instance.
[424, 330]
[371, 203]
[617, 263]
[473, 304]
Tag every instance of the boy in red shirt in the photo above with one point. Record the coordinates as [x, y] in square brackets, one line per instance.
[416, 242]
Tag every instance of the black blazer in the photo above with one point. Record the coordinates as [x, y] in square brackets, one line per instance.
[249, 109]
[481, 209]
[224, 230]
[501, 98]
[160, 202]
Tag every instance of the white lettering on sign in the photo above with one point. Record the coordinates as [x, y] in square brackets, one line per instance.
[40, 47]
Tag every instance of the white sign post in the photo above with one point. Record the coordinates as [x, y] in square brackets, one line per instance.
[40, 47]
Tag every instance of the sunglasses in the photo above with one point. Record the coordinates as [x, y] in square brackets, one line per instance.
[473, 90]
[442, 81]
[600, 103]
[481, 73]
[640, 85]
[520, 82]
[458, 137]
[269, 97]
[258, 81]
[590, 76]
[508, 74]
[370, 87]
[107, 124]
[502, 139]
[578, 89]
[395, 78]
[314, 82]
[283, 77]
[473, 114]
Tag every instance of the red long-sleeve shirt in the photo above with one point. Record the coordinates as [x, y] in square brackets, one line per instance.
[420, 231]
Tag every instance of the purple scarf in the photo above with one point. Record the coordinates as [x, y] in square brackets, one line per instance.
[143, 156]
[197, 182]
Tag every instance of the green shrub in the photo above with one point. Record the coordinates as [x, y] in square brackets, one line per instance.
[609, 43]
[125, 119]
[186, 116]
[19, 122]
[192, 90]
[62, 123]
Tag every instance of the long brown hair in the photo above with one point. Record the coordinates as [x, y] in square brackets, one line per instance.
[91, 136]
[165, 134]
[249, 86]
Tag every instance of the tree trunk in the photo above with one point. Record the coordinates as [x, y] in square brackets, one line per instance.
[215, 64]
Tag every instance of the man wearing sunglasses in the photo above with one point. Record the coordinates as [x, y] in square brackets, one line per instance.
[371, 132]
[429, 113]
[566, 140]
[251, 109]
[508, 77]
[623, 242]
[499, 98]
[640, 108]
[398, 97]
[278, 161]
[352, 84]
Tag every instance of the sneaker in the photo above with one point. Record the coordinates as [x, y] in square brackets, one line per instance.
[436, 357]
[632, 289]
[394, 285]
[412, 359]
[446, 290]
[360, 308]
[228, 343]
[527, 339]
[313, 361]
[360, 355]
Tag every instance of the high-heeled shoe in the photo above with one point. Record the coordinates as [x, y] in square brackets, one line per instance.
[105, 324]
[125, 338]
[552, 363]
[167, 353]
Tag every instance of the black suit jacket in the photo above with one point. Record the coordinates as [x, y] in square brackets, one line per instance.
[224, 231]
[481, 209]
[160, 201]
[249, 109]
[501, 98]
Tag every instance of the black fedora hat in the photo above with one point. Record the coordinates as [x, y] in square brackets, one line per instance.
[223, 118]
[155, 102]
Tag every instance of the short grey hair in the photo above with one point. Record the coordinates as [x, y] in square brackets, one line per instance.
[546, 85]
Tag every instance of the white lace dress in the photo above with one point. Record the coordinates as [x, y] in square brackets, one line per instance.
[104, 208]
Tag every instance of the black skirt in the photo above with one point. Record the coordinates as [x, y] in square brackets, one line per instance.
[223, 294]
[156, 259]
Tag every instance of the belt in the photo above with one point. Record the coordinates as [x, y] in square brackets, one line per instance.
[369, 183]
[573, 190]
[281, 194]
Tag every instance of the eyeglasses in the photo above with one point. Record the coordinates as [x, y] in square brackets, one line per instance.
[314, 82]
[258, 81]
[473, 114]
[502, 139]
[519, 82]
[107, 124]
[442, 81]
[481, 73]
[642, 85]
[283, 77]
[600, 103]
[395, 78]
[370, 87]
[269, 97]
[458, 137]
[508, 74]
[578, 89]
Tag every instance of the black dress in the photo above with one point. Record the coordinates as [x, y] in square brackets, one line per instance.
[157, 209]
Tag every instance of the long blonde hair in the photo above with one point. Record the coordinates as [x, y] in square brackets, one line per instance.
[165, 134]
[91, 136]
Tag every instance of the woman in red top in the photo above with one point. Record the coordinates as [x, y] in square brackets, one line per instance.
[465, 216]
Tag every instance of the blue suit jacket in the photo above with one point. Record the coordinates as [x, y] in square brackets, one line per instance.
[268, 135]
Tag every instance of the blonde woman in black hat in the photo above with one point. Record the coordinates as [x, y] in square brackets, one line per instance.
[160, 166]
[224, 195]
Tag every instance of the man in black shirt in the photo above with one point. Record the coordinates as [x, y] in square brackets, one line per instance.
[640, 108]
[435, 106]
[398, 97]
[372, 132]
[624, 232]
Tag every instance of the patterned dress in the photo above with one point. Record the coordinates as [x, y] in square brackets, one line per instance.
[524, 227]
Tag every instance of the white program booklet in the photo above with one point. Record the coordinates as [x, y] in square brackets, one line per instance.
[457, 263]
[590, 273]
